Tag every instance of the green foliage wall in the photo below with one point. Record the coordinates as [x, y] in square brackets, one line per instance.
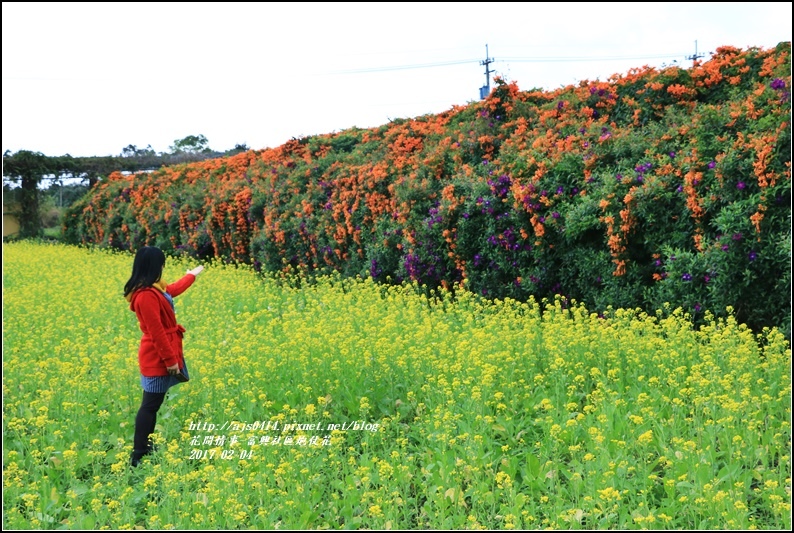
[652, 187]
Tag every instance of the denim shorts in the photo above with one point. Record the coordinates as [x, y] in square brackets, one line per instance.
[161, 383]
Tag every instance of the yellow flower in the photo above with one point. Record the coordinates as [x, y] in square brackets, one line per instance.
[646, 437]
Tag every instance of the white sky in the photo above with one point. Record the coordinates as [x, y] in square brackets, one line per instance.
[91, 78]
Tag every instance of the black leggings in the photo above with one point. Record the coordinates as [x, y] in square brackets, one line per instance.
[146, 419]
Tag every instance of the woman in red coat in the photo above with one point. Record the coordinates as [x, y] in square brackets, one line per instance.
[160, 357]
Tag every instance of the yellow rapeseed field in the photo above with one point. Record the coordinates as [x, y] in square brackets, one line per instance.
[346, 404]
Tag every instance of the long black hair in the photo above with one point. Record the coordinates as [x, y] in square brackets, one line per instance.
[146, 269]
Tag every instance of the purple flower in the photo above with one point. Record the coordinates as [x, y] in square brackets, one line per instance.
[560, 104]
[555, 214]
[712, 164]
[484, 161]
[672, 155]
[593, 90]
[466, 215]
[697, 308]
[737, 236]
[680, 188]
[687, 277]
[778, 84]
[706, 278]
[740, 185]
[560, 190]
[725, 247]
[752, 255]
[374, 271]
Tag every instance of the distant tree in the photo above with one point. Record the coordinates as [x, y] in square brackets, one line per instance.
[238, 149]
[133, 151]
[192, 144]
[129, 151]
[64, 195]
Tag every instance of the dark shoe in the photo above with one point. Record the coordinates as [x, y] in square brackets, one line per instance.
[137, 455]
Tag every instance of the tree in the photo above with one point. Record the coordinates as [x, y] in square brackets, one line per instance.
[133, 151]
[192, 144]
[238, 149]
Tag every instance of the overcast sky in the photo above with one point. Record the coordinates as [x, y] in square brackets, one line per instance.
[92, 78]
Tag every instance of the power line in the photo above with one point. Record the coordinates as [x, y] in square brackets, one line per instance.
[581, 59]
[369, 70]
[403, 67]
[504, 60]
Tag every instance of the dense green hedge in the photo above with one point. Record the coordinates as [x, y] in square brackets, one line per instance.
[651, 187]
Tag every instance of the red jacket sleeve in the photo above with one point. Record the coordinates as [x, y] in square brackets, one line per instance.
[180, 286]
[148, 311]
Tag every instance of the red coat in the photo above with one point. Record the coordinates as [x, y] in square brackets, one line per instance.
[161, 344]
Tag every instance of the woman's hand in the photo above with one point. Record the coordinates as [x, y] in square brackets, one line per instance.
[196, 271]
[173, 370]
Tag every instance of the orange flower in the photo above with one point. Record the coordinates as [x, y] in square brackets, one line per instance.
[620, 269]
[757, 217]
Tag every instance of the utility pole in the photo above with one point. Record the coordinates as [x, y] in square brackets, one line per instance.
[486, 89]
[694, 57]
